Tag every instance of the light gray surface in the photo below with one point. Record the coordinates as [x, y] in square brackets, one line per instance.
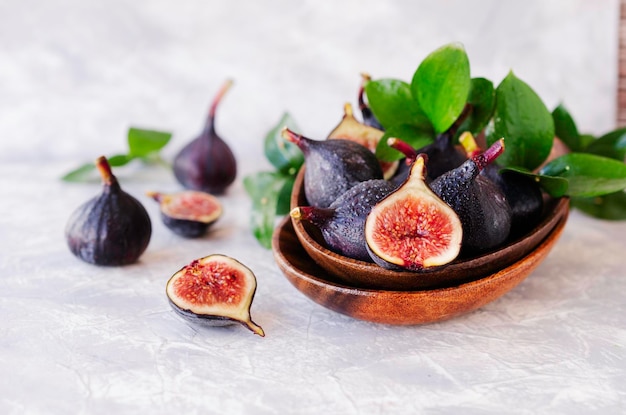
[75, 338]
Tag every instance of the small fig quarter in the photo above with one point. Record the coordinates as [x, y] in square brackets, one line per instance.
[207, 163]
[412, 228]
[216, 290]
[110, 229]
[351, 129]
[188, 213]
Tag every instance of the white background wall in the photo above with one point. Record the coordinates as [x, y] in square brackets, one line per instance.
[74, 75]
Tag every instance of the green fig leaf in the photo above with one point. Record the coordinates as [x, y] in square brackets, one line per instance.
[264, 189]
[87, 171]
[285, 156]
[143, 142]
[80, 174]
[611, 145]
[565, 128]
[610, 207]
[588, 175]
[482, 98]
[586, 140]
[393, 104]
[553, 185]
[526, 125]
[441, 85]
[283, 204]
[410, 134]
[119, 160]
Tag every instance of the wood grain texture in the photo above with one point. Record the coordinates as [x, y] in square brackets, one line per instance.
[399, 307]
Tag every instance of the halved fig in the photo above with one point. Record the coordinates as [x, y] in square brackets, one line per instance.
[216, 290]
[412, 228]
[188, 213]
[351, 129]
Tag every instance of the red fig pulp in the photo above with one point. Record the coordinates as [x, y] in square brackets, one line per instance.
[413, 228]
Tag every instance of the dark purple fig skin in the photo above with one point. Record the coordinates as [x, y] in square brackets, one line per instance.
[333, 167]
[523, 195]
[207, 163]
[479, 203]
[185, 228]
[342, 224]
[368, 116]
[202, 319]
[111, 229]
[442, 155]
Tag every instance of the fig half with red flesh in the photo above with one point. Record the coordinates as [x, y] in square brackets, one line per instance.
[216, 290]
[412, 228]
[188, 213]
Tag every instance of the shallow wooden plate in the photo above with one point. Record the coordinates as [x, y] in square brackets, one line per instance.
[369, 275]
[399, 307]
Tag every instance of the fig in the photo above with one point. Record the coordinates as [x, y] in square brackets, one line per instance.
[342, 224]
[522, 193]
[410, 154]
[207, 163]
[333, 166]
[189, 213]
[412, 228]
[216, 290]
[351, 129]
[368, 116]
[443, 155]
[112, 228]
[480, 204]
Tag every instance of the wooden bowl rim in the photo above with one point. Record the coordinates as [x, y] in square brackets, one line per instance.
[560, 210]
[285, 263]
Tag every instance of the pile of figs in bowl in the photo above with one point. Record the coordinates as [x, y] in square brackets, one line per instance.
[439, 234]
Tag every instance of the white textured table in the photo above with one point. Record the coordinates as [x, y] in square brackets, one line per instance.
[76, 338]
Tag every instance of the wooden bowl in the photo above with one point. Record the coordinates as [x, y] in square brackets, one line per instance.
[399, 307]
[369, 275]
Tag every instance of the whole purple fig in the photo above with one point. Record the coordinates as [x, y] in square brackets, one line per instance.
[112, 228]
[207, 163]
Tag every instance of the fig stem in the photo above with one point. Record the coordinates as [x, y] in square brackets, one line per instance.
[469, 144]
[104, 168]
[419, 167]
[155, 195]
[217, 99]
[365, 77]
[296, 213]
[489, 155]
[405, 148]
[311, 214]
[347, 110]
[293, 137]
[255, 328]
